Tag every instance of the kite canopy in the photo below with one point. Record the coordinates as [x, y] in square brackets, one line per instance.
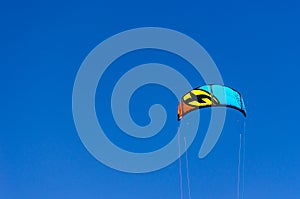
[210, 95]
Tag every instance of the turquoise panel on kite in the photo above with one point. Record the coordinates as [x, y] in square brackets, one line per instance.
[210, 95]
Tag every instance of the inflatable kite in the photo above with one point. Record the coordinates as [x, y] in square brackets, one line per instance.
[208, 96]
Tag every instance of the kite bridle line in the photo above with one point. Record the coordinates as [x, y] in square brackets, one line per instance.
[241, 163]
[187, 169]
[180, 166]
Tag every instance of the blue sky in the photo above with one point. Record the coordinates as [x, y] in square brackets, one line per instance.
[255, 45]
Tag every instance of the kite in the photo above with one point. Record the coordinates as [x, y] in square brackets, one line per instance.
[208, 96]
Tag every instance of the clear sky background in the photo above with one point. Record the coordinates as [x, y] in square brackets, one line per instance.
[255, 45]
